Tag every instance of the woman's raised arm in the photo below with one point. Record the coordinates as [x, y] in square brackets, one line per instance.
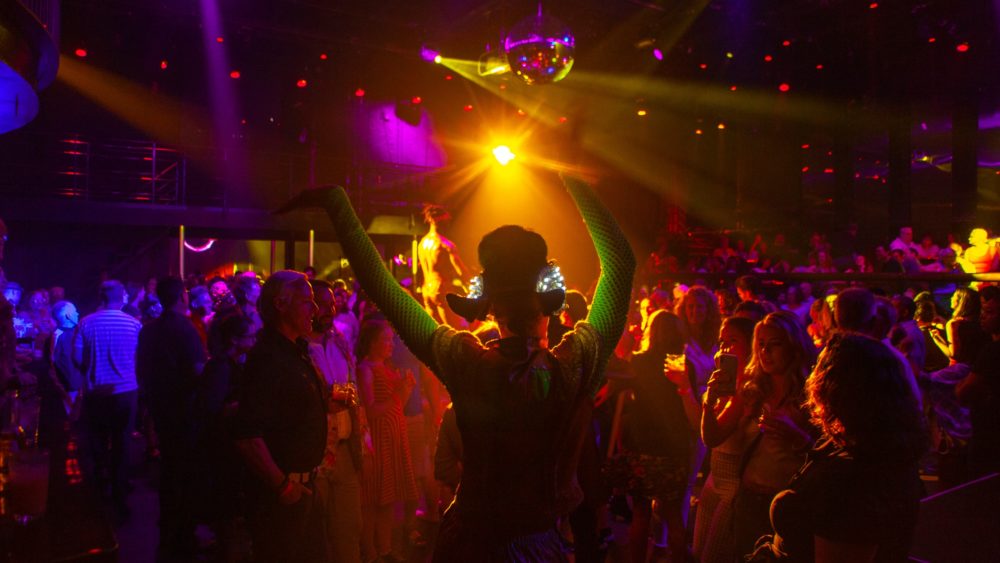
[407, 316]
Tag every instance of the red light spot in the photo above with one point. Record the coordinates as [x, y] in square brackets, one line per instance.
[786, 43]
[768, 58]
[302, 83]
[243, 122]
[828, 170]
[805, 169]
[732, 88]
[931, 39]
[784, 87]
[80, 53]
[876, 176]
[562, 119]
[805, 146]
[359, 93]
[503, 86]
[520, 112]
[703, 66]
[962, 48]
[819, 67]
[219, 39]
[447, 77]
[322, 56]
[467, 107]
[873, 5]
[163, 65]
[234, 74]
[415, 100]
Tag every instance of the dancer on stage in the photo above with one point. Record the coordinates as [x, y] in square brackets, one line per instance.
[440, 264]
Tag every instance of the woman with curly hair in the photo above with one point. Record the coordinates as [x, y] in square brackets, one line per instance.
[522, 409]
[783, 355]
[856, 498]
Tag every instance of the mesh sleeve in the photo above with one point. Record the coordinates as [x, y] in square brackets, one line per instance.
[409, 319]
[609, 310]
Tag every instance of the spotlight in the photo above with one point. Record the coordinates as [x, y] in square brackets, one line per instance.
[503, 154]
[430, 55]
[80, 53]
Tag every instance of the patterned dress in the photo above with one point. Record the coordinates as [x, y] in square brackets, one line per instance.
[393, 474]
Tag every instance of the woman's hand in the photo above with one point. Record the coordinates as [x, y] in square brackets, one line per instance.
[292, 493]
[714, 394]
[406, 384]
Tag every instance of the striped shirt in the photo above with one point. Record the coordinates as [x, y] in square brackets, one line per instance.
[106, 346]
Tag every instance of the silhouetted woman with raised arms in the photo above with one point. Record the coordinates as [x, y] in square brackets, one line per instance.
[521, 408]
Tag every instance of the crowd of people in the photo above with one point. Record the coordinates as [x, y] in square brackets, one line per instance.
[787, 421]
[825, 253]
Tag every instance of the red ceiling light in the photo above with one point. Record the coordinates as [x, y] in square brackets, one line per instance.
[322, 56]
[415, 100]
[732, 88]
[447, 77]
[962, 47]
[873, 5]
[467, 107]
[703, 66]
[359, 93]
[931, 39]
[163, 65]
[562, 119]
[786, 43]
[768, 58]
[784, 87]
[219, 39]
[80, 53]
[302, 83]
[234, 74]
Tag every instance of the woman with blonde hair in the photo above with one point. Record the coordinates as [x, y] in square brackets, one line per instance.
[783, 355]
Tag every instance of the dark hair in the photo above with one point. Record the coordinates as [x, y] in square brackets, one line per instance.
[968, 305]
[222, 332]
[749, 283]
[904, 305]
[170, 290]
[752, 310]
[854, 309]
[321, 284]
[112, 291]
[576, 305]
[742, 325]
[664, 334]
[369, 333]
[989, 293]
[860, 395]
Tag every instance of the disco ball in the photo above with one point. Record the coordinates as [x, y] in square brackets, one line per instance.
[540, 49]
